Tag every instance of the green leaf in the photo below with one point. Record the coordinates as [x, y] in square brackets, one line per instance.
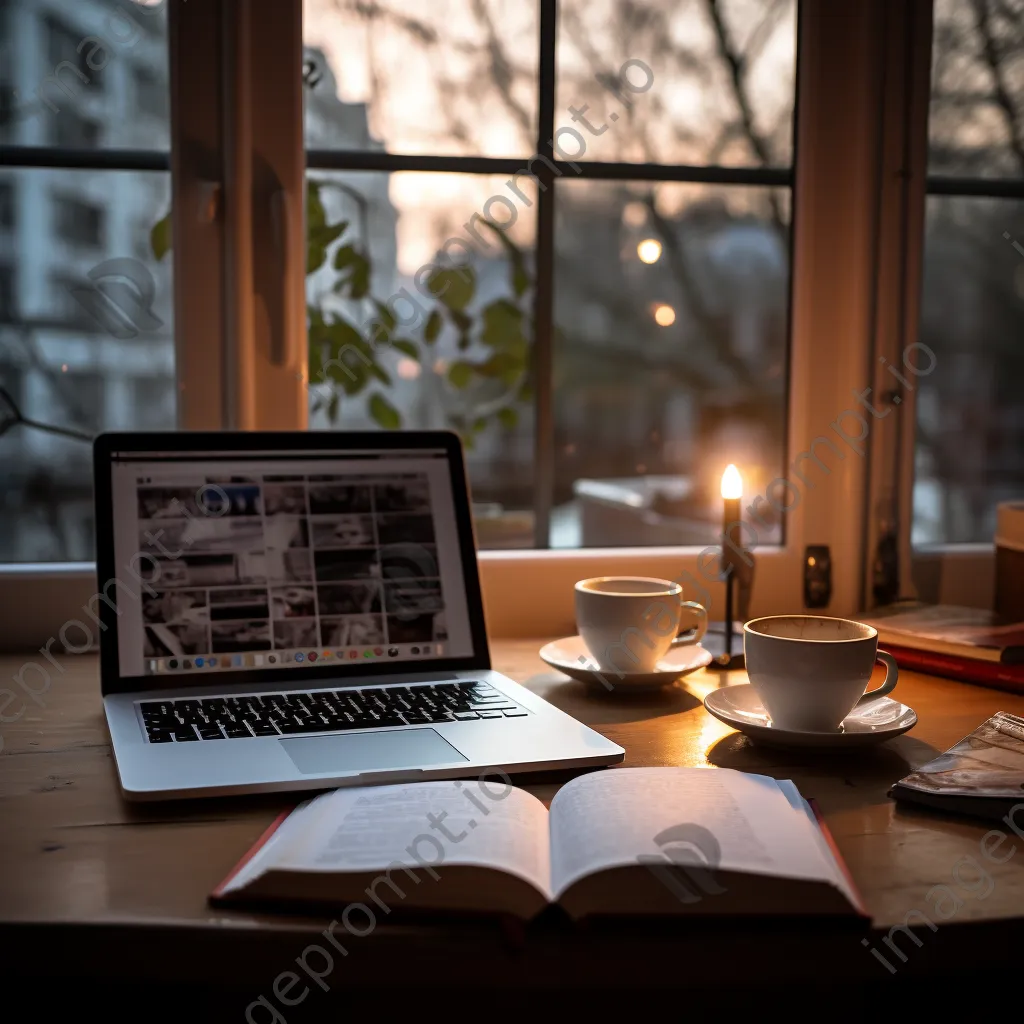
[508, 417]
[385, 316]
[503, 365]
[160, 237]
[354, 282]
[384, 412]
[479, 425]
[406, 347]
[316, 218]
[462, 321]
[460, 374]
[520, 280]
[502, 324]
[432, 328]
[454, 286]
[317, 242]
[338, 352]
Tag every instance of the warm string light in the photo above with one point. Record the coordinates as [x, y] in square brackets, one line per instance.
[664, 316]
[649, 250]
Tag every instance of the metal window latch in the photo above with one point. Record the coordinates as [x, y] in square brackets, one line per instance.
[817, 576]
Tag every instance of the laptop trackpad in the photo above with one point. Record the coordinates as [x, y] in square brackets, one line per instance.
[364, 752]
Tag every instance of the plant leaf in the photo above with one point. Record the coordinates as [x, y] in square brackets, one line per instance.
[432, 328]
[508, 417]
[520, 280]
[160, 237]
[406, 347]
[453, 286]
[354, 282]
[316, 218]
[503, 365]
[502, 324]
[460, 374]
[384, 412]
[385, 316]
[317, 242]
[338, 352]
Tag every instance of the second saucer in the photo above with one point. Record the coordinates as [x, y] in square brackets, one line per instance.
[570, 655]
[874, 722]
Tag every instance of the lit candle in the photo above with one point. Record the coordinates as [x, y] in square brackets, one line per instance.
[732, 492]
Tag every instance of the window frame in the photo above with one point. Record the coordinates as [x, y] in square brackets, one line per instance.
[841, 80]
[952, 573]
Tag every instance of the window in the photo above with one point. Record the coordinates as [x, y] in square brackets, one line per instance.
[608, 308]
[970, 413]
[604, 317]
[90, 312]
[78, 221]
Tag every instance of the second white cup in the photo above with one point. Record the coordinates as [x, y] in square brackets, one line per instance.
[629, 622]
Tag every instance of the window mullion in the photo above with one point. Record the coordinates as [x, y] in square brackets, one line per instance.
[543, 302]
[197, 182]
[903, 159]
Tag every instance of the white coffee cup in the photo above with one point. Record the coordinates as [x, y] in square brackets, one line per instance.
[629, 622]
[810, 671]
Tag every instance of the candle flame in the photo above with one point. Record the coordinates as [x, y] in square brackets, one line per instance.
[732, 482]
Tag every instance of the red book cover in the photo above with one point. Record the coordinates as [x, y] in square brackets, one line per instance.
[861, 907]
[218, 893]
[966, 670]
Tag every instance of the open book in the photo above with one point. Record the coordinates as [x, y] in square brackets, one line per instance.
[630, 841]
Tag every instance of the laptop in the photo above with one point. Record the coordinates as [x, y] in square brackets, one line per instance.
[289, 611]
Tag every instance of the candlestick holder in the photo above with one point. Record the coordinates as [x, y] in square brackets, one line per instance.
[724, 640]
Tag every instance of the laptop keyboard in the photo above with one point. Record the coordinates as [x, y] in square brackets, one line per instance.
[299, 714]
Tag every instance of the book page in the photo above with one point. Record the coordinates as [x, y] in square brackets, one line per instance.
[370, 828]
[714, 816]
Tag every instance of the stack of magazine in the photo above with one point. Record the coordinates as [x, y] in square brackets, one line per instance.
[983, 774]
[968, 644]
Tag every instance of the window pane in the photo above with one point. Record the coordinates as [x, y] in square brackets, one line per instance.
[401, 337]
[977, 102]
[718, 86]
[447, 77]
[84, 74]
[671, 304]
[85, 343]
[970, 418]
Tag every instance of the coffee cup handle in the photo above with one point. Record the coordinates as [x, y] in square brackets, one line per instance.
[892, 674]
[695, 635]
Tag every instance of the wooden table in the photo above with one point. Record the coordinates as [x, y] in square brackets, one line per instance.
[113, 896]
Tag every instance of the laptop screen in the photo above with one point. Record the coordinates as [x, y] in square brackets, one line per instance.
[261, 560]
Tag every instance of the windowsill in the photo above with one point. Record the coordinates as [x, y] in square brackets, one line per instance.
[526, 592]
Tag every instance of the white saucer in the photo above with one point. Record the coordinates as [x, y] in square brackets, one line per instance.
[875, 722]
[570, 655]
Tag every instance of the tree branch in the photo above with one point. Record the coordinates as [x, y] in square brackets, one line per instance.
[992, 59]
[735, 63]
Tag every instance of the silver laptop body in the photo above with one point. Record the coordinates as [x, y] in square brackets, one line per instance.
[288, 611]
